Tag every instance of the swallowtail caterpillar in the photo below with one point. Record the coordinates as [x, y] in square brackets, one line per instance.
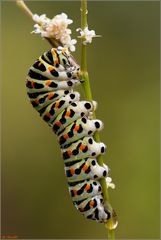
[50, 83]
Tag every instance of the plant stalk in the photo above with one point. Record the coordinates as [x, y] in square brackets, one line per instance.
[88, 94]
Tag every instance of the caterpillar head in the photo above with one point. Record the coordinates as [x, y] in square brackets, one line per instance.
[69, 63]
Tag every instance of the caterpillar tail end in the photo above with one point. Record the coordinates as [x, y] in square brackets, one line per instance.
[112, 222]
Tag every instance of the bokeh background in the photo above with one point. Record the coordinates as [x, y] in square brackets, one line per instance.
[124, 71]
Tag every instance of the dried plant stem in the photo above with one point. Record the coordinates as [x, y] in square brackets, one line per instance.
[24, 7]
[87, 90]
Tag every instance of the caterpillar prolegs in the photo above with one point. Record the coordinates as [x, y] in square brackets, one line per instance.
[50, 84]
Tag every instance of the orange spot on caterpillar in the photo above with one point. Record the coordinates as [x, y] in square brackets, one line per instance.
[50, 68]
[65, 136]
[85, 167]
[72, 171]
[37, 101]
[58, 124]
[32, 84]
[67, 114]
[53, 52]
[48, 115]
[48, 83]
[69, 152]
[82, 147]
[91, 203]
[50, 95]
[56, 104]
[76, 128]
[56, 61]
[87, 187]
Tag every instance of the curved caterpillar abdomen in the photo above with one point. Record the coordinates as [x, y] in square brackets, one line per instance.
[50, 84]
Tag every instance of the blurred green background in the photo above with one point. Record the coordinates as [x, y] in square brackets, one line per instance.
[124, 71]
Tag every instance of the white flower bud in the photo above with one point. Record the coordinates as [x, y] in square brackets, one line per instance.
[55, 28]
[87, 35]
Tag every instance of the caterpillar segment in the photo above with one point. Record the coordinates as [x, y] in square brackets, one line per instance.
[50, 82]
[87, 168]
[73, 112]
[78, 129]
[49, 85]
[41, 100]
[83, 148]
[84, 189]
[50, 112]
[93, 208]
